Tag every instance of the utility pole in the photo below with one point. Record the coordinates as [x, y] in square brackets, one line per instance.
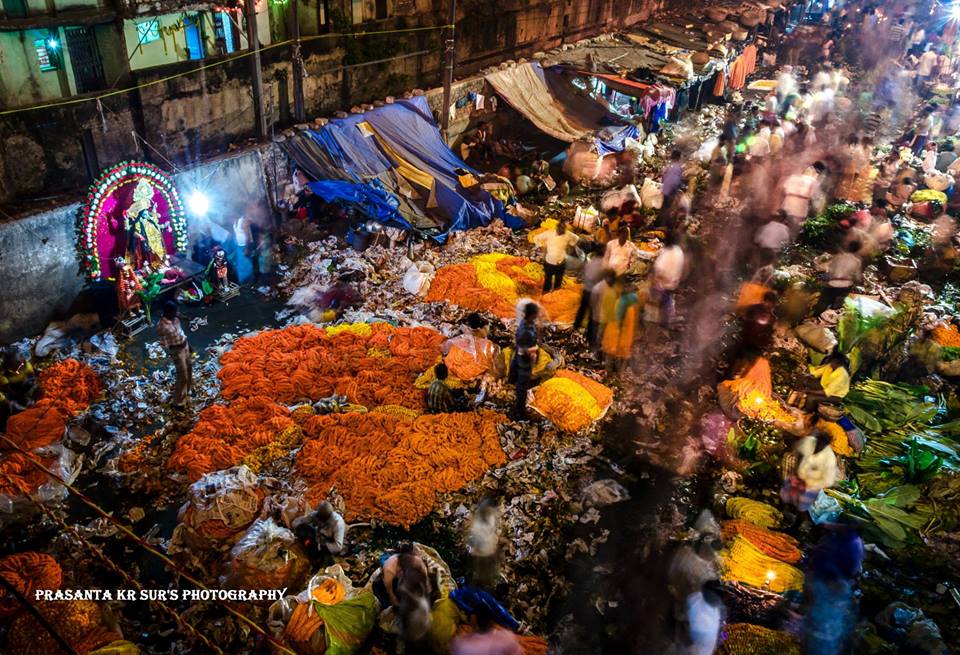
[296, 59]
[253, 43]
[450, 50]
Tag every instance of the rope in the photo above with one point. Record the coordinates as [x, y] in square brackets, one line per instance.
[242, 55]
[132, 535]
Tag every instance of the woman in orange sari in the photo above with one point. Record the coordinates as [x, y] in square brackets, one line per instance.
[619, 333]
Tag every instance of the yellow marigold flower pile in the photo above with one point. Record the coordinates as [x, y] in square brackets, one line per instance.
[838, 438]
[946, 334]
[743, 562]
[494, 282]
[775, 544]
[392, 468]
[749, 639]
[571, 401]
[79, 622]
[753, 511]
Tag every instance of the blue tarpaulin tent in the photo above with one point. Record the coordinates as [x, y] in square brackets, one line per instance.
[375, 201]
[342, 151]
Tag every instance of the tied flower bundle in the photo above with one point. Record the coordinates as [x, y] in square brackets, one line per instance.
[744, 562]
[392, 468]
[749, 639]
[775, 544]
[27, 572]
[370, 364]
[225, 435]
[67, 388]
[79, 622]
[19, 476]
[571, 401]
[946, 335]
[753, 511]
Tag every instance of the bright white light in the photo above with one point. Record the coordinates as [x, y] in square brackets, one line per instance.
[52, 43]
[198, 203]
[955, 12]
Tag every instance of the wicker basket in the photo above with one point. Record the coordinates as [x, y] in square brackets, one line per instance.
[739, 35]
[700, 58]
[751, 19]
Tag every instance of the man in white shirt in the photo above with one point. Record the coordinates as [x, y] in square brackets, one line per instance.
[772, 237]
[925, 67]
[798, 190]
[621, 253]
[555, 244]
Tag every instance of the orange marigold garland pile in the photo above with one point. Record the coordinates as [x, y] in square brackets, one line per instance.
[44, 424]
[225, 434]
[18, 475]
[27, 572]
[391, 468]
[372, 366]
[79, 622]
[71, 383]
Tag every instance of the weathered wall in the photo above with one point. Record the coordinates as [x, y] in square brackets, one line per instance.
[38, 271]
[38, 264]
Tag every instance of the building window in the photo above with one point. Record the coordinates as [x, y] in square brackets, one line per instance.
[48, 52]
[224, 31]
[381, 9]
[357, 9]
[148, 31]
[194, 36]
[15, 8]
[85, 59]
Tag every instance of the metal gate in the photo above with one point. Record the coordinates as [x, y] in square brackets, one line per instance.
[85, 57]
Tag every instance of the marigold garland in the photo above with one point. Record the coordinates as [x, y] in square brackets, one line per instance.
[24, 476]
[27, 572]
[775, 544]
[225, 434]
[391, 468]
[79, 622]
[306, 362]
[749, 639]
[744, 562]
[71, 383]
[947, 335]
[838, 438]
[753, 511]
[571, 401]
[43, 424]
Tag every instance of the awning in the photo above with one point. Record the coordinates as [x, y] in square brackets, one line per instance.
[622, 84]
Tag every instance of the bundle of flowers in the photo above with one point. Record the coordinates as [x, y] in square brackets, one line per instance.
[27, 572]
[78, 622]
[753, 511]
[390, 467]
[495, 282]
[743, 562]
[19, 476]
[571, 401]
[71, 383]
[43, 424]
[775, 544]
[947, 335]
[753, 394]
[225, 435]
[370, 364]
[749, 639]
[67, 388]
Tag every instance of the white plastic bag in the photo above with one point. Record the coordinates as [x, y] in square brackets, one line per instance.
[586, 218]
[651, 194]
[418, 277]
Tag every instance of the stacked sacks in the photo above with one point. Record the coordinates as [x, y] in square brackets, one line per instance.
[329, 616]
[267, 556]
[571, 401]
[219, 506]
[390, 467]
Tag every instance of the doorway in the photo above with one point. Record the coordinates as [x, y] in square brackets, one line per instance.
[85, 59]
